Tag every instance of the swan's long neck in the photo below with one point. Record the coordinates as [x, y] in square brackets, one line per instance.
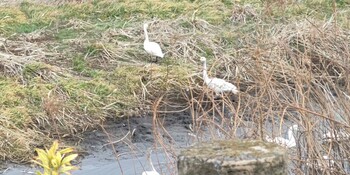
[146, 34]
[290, 135]
[150, 162]
[205, 75]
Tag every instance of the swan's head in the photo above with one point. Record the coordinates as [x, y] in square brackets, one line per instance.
[294, 128]
[145, 25]
[203, 59]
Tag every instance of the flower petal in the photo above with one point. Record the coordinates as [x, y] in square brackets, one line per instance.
[53, 149]
[67, 150]
[66, 169]
[69, 158]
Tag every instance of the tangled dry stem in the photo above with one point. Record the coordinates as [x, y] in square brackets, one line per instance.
[294, 73]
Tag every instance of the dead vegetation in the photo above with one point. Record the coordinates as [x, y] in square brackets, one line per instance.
[62, 79]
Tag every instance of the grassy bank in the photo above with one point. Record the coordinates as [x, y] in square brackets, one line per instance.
[66, 68]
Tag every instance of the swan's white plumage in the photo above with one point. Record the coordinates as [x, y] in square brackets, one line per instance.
[289, 143]
[327, 163]
[153, 172]
[218, 85]
[336, 136]
[150, 173]
[281, 141]
[151, 48]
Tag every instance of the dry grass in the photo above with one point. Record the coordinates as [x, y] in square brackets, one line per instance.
[288, 73]
[290, 68]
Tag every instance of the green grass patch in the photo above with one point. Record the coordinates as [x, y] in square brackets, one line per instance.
[12, 91]
[79, 64]
[21, 102]
[27, 27]
[106, 14]
[128, 79]
[82, 67]
[11, 15]
[66, 34]
[93, 95]
[33, 70]
[93, 49]
[37, 12]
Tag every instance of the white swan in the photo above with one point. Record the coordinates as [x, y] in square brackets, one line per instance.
[330, 163]
[288, 143]
[151, 48]
[153, 172]
[335, 135]
[218, 85]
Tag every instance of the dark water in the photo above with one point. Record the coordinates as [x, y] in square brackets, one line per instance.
[133, 138]
[129, 157]
[97, 166]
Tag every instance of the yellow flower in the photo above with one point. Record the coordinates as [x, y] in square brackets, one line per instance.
[54, 161]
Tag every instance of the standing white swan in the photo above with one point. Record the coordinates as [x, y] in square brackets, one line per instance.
[335, 135]
[153, 172]
[151, 48]
[218, 85]
[289, 143]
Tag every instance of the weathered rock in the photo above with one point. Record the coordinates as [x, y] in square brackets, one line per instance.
[233, 157]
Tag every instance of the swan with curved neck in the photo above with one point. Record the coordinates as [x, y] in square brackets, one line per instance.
[218, 85]
[290, 142]
[151, 48]
[153, 172]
